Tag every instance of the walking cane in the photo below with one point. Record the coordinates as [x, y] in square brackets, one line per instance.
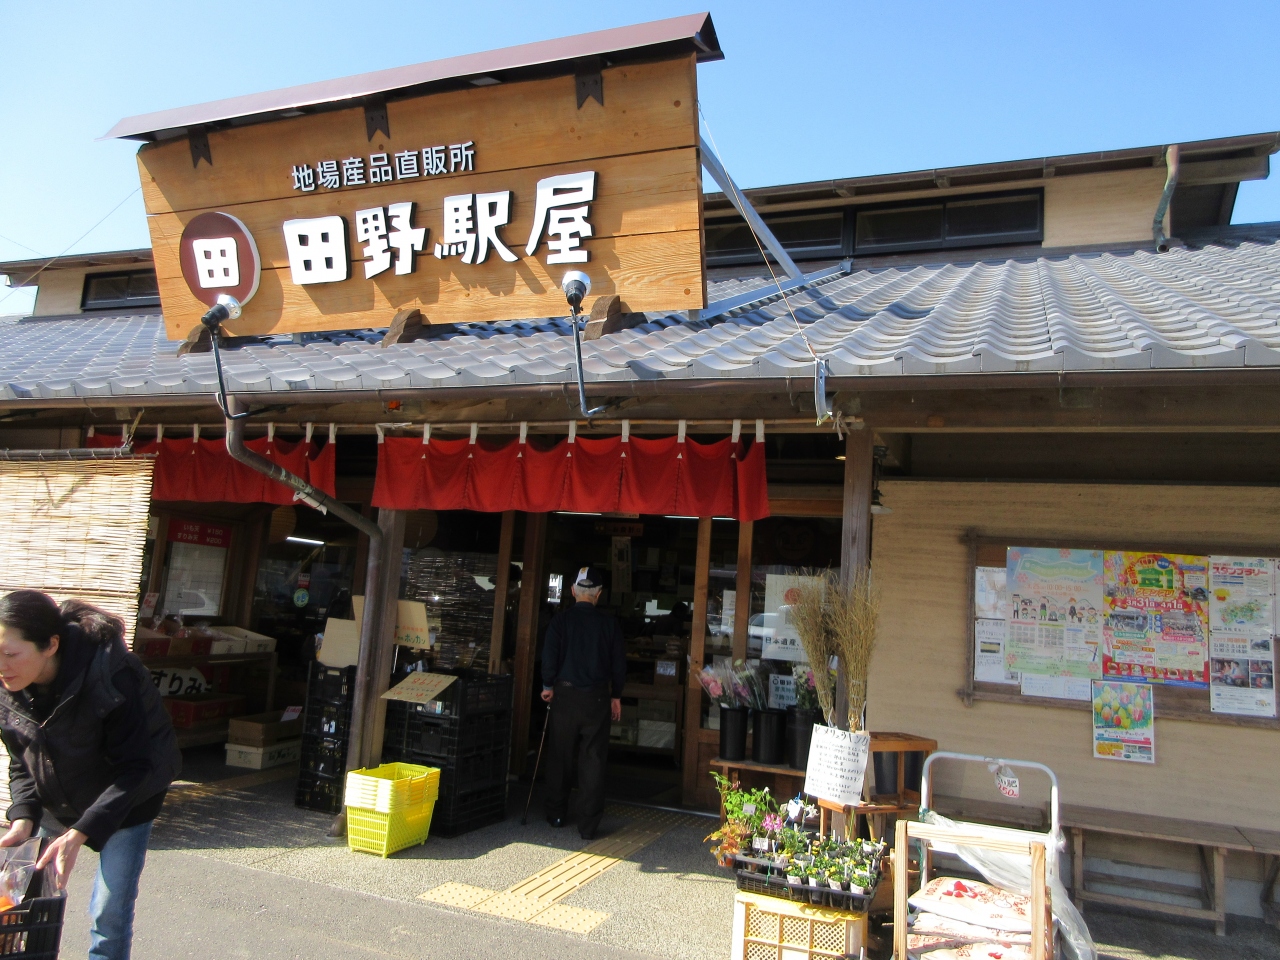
[524, 821]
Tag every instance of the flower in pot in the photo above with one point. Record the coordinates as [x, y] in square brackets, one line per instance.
[859, 881]
[835, 877]
[796, 873]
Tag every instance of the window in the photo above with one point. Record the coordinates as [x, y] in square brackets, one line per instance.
[805, 236]
[110, 291]
[959, 222]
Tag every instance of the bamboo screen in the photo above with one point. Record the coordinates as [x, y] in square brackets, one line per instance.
[76, 529]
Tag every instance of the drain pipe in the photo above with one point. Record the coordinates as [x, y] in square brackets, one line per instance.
[373, 579]
[1172, 155]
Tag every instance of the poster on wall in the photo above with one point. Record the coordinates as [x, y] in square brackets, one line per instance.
[990, 597]
[1123, 721]
[1156, 624]
[988, 655]
[778, 637]
[1055, 611]
[1242, 627]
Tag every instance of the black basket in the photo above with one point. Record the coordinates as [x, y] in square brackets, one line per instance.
[764, 879]
[33, 929]
[474, 692]
[327, 720]
[319, 793]
[331, 684]
[469, 810]
[410, 728]
[469, 775]
[324, 756]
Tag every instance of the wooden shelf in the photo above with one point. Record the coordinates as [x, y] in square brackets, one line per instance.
[194, 659]
[203, 735]
[649, 691]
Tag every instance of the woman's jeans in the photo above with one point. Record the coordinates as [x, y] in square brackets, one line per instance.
[114, 891]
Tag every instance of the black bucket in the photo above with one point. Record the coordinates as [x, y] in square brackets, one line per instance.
[799, 732]
[733, 733]
[769, 732]
[885, 769]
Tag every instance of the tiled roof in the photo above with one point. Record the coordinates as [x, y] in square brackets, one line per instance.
[1215, 303]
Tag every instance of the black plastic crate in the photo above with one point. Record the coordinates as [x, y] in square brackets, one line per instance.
[327, 720]
[33, 929]
[324, 756]
[410, 728]
[773, 884]
[331, 684]
[463, 812]
[474, 692]
[468, 775]
[319, 793]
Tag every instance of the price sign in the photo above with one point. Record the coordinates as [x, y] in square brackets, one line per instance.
[419, 687]
[837, 764]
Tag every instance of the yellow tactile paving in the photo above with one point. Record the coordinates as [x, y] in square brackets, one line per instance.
[536, 898]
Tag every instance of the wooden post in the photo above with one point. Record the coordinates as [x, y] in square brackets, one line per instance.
[501, 584]
[391, 523]
[901, 890]
[531, 587]
[855, 535]
[697, 650]
[253, 541]
[742, 587]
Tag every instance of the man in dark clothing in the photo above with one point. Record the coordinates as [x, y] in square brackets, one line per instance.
[584, 668]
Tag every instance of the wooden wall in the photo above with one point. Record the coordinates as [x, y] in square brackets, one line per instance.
[1114, 207]
[1202, 770]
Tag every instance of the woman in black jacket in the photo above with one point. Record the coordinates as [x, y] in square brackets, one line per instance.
[89, 743]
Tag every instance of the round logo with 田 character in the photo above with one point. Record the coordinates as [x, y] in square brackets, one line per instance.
[218, 255]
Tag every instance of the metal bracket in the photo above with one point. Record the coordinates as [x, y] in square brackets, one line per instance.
[198, 138]
[376, 119]
[721, 176]
[588, 81]
[821, 402]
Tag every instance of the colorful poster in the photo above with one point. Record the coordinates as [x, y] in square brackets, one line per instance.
[1123, 721]
[1055, 611]
[1242, 626]
[778, 637]
[988, 655]
[1156, 627]
[990, 598]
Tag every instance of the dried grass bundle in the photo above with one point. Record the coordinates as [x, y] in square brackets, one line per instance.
[853, 614]
[809, 614]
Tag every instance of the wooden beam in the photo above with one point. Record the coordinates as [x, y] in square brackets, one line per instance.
[742, 587]
[391, 523]
[697, 649]
[535, 541]
[501, 585]
[855, 534]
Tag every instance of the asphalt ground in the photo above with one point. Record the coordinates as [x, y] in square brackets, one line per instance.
[243, 873]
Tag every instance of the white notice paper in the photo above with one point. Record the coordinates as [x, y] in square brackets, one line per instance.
[780, 640]
[988, 655]
[837, 764]
[1060, 688]
[1242, 627]
[782, 691]
[990, 596]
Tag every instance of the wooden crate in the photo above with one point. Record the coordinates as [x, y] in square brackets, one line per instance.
[766, 928]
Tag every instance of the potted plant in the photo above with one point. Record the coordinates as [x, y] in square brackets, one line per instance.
[722, 687]
[796, 873]
[802, 716]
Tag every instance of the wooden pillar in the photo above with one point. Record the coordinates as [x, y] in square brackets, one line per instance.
[254, 542]
[742, 589]
[501, 584]
[391, 523]
[531, 592]
[697, 651]
[855, 533]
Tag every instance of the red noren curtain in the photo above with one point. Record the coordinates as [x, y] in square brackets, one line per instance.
[202, 470]
[590, 475]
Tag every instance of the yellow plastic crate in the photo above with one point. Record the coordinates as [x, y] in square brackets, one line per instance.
[385, 833]
[769, 928]
[392, 787]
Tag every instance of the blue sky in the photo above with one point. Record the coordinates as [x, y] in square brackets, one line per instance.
[808, 90]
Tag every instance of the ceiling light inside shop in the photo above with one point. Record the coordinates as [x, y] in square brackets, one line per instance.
[305, 540]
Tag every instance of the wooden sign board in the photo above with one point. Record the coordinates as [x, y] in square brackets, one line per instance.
[345, 231]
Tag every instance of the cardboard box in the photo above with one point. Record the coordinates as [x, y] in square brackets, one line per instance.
[624, 733]
[230, 645]
[263, 729]
[413, 628]
[151, 647]
[260, 758]
[190, 710]
[657, 733]
[255, 642]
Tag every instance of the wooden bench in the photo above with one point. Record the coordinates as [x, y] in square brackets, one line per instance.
[1211, 840]
[1267, 844]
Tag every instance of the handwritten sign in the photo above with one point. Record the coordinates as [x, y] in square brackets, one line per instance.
[837, 764]
[419, 687]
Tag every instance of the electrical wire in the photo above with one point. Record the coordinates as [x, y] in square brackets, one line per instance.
[54, 259]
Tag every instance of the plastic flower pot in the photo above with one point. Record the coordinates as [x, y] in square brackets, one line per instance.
[794, 881]
[799, 732]
[733, 733]
[769, 730]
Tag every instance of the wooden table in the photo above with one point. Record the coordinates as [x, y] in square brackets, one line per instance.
[1267, 844]
[1211, 840]
[731, 769]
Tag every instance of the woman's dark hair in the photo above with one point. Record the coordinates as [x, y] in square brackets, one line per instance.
[39, 618]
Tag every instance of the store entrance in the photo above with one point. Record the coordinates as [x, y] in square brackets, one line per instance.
[649, 568]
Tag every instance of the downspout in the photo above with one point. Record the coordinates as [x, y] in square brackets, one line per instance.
[1172, 155]
[373, 580]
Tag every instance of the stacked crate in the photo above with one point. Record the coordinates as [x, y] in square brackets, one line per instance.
[326, 726]
[469, 739]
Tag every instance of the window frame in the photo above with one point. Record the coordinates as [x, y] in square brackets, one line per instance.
[124, 302]
[946, 242]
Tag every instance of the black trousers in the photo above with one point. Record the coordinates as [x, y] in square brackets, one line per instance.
[579, 728]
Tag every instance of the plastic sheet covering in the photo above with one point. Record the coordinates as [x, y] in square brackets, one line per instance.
[1013, 873]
